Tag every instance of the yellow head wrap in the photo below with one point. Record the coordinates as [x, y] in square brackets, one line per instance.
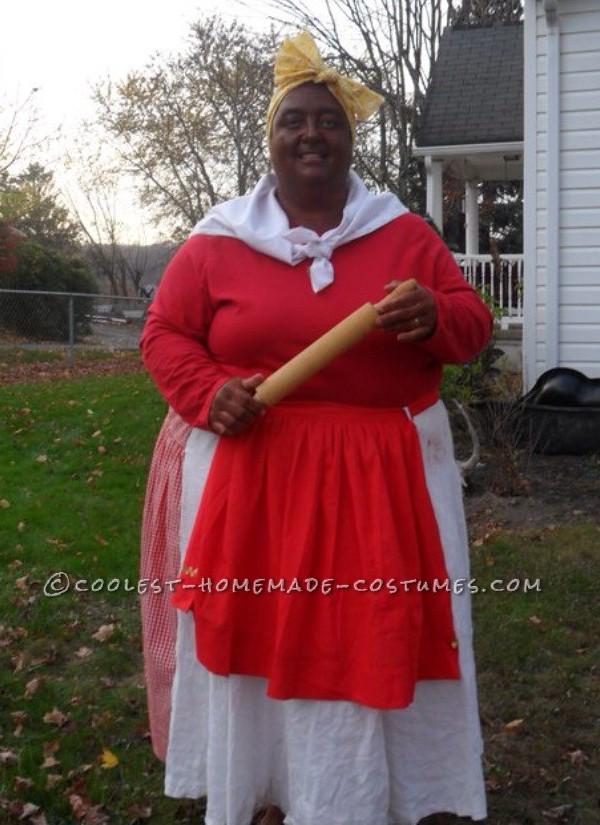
[298, 61]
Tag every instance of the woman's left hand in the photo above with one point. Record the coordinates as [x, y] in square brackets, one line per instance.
[412, 314]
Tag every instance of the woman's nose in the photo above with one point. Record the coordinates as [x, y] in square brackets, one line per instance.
[311, 127]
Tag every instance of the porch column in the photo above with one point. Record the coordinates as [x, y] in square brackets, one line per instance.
[435, 202]
[471, 218]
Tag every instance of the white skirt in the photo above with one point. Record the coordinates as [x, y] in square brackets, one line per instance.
[330, 762]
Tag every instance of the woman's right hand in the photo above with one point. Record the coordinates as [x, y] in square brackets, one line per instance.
[234, 407]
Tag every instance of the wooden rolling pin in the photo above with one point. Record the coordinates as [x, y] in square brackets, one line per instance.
[318, 354]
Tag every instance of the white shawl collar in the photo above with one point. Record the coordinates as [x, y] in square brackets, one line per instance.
[259, 221]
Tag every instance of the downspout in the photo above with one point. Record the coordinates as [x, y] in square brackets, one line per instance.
[553, 184]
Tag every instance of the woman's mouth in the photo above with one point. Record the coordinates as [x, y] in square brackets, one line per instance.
[311, 157]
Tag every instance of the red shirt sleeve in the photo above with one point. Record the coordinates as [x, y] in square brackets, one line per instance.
[464, 322]
[174, 340]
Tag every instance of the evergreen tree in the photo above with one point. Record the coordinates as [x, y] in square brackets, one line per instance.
[30, 202]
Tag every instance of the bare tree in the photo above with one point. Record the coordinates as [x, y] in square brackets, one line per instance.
[18, 123]
[390, 45]
[113, 259]
[191, 127]
[477, 12]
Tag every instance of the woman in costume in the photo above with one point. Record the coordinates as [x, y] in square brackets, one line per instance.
[319, 670]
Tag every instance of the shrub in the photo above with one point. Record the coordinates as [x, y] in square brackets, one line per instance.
[475, 379]
[45, 317]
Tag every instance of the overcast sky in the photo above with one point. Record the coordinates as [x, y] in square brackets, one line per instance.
[62, 48]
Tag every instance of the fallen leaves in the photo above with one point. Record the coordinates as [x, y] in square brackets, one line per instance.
[21, 584]
[577, 758]
[558, 814]
[489, 531]
[514, 726]
[58, 543]
[108, 760]
[104, 632]
[23, 373]
[52, 780]
[29, 810]
[19, 718]
[138, 810]
[22, 783]
[56, 717]
[48, 750]
[55, 673]
[8, 757]
[87, 813]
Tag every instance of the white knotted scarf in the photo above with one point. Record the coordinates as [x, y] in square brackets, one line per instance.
[259, 221]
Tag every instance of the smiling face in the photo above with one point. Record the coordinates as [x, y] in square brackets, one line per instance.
[310, 142]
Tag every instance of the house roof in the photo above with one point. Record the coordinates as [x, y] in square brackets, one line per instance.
[476, 90]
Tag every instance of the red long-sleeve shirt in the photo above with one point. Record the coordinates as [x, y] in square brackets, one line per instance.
[223, 309]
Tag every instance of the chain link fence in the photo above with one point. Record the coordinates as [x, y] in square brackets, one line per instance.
[73, 321]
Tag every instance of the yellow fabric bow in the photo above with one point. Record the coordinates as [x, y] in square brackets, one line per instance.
[298, 61]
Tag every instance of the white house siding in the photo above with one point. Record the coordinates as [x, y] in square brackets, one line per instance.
[562, 317]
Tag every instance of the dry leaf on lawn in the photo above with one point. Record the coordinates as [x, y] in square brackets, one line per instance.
[53, 779]
[22, 783]
[21, 583]
[8, 757]
[55, 717]
[137, 810]
[89, 814]
[32, 686]
[108, 759]
[95, 816]
[577, 758]
[79, 805]
[104, 632]
[50, 747]
[514, 726]
[29, 809]
[559, 813]
[18, 717]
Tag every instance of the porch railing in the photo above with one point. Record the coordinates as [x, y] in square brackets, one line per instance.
[500, 278]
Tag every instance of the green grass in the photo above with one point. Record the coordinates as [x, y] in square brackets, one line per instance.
[74, 457]
[73, 463]
[538, 655]
[15, 355]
